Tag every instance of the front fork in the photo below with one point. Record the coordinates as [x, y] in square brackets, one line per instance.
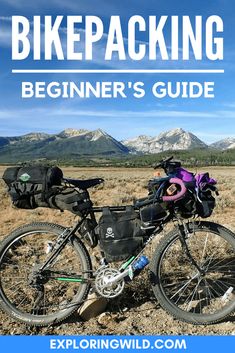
[184, 232]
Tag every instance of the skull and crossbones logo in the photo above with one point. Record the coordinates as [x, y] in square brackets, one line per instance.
[109, 233]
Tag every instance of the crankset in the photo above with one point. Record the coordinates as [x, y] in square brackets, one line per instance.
[109, 282]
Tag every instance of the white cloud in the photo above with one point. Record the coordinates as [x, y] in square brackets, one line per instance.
[103, 7]
[5, 18]
[207, 126]
[229, 105]
[55, 112]
[12, 3]
[215, 136]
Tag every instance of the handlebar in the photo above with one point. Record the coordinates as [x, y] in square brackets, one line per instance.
[180, 194]
[168, 165]
[163, 163]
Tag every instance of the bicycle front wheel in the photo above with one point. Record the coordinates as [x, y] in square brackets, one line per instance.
[199, 297]
[50, 297]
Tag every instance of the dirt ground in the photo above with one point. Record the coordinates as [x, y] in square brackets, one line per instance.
[135, 311]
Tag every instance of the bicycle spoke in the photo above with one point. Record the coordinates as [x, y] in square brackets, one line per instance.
[19, 268]
[183, 288]
[204, 248]
[227, 264]
[198, 294]
[208, 289]
[14, 285]
[192, 296]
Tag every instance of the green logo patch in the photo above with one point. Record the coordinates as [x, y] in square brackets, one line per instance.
[24, 177]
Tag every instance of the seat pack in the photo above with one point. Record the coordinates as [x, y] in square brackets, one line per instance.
[43, 186]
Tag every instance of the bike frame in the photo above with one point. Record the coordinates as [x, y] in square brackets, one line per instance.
[70, 232]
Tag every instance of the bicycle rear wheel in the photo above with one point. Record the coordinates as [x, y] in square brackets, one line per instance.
[181, 289]
[49, 298]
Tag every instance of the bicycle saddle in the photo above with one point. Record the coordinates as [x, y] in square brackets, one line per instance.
[84, 184]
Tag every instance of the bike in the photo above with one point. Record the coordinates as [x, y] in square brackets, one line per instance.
[46, 270]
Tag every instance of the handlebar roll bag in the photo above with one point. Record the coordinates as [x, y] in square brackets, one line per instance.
[152, 214]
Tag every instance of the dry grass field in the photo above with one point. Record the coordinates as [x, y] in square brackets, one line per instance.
[134, 312]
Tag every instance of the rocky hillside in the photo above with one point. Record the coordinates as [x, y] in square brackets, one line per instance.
[224, 144]
[71, 144]
[176, 139]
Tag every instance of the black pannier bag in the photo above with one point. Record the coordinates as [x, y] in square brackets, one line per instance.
[41, 186]
[187, 206]
[205, 204]
[120, 233]
[192, 204]
[205, 200]
[152, 213]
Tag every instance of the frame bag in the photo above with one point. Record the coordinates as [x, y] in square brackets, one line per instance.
[120, 233]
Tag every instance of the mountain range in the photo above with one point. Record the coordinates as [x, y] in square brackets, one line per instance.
[176, 139]
[71, 144]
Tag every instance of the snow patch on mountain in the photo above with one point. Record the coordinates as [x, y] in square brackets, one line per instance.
[68, 133]
[225, 144]
[97, 134]
[175, 139]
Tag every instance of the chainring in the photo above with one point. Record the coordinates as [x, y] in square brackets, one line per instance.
[103, 288]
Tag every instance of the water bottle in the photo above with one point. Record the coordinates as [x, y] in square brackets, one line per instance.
[136, 268]
[139, 264]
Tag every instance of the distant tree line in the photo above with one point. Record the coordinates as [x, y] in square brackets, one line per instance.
[192, 158]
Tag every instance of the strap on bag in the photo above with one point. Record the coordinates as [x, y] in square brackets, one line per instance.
[127, 215]
[107, 215]
[45, 187]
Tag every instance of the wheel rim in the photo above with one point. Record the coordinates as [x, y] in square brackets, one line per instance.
[23, 254]
[182, 284]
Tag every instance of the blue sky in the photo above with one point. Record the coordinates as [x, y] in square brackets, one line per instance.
[209, 119]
